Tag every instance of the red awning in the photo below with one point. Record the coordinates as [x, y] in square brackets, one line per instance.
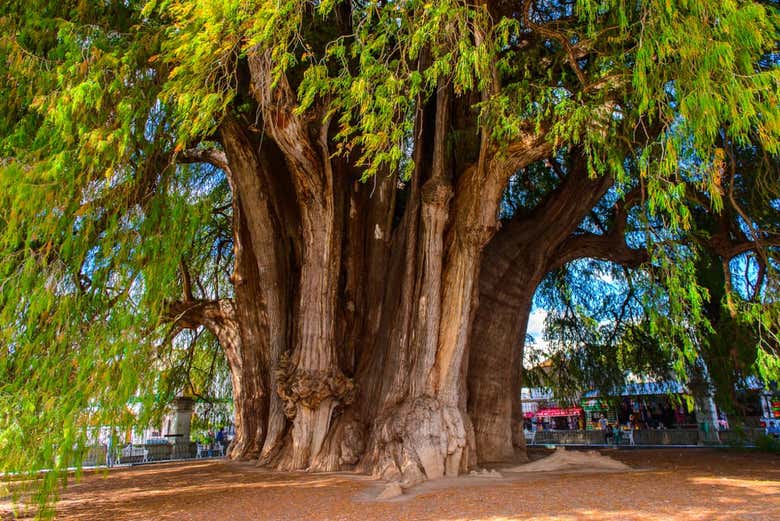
[559, 411]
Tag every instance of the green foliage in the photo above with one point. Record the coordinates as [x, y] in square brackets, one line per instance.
[595, 330]
[768, 444]
[98, 99]
[92, 213]
[689, 306]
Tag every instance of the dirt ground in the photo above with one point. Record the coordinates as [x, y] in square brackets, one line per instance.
[673, 484]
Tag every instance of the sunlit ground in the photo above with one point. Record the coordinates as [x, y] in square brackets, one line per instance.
[685, 485]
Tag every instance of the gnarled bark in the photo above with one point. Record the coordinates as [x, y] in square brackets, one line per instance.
[353, 304]
[423, 430]
[515, 262]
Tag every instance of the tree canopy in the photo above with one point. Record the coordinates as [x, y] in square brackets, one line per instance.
[315, 187]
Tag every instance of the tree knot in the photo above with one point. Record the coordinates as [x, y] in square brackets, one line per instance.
[311, 388]
[476, 235]
[437, 191]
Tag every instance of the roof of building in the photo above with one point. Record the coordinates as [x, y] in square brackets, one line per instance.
[641, 389]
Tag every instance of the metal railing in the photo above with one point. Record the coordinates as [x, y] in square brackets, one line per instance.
[152, 450]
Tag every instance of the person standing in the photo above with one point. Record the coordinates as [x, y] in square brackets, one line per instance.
[723, 422]
[222, 439]
[609, 435]
[606, 428]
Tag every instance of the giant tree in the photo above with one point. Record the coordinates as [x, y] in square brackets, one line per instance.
[348, 160]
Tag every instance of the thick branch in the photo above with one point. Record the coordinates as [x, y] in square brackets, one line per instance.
[289, 130]
[211, 156]
[529, 147]
[728, 248]
[211, 314]
[611, 247]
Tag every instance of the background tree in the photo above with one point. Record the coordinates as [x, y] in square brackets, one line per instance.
[348, 161]
[606, 319]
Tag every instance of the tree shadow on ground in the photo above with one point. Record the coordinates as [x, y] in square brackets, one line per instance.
[690, 486]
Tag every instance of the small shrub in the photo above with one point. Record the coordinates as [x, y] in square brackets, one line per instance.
[768, 444]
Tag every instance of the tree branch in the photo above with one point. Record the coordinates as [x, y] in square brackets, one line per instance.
[288, 129]
[218, 316]
[211, 314]
[211, 156]
[611, 246]
[529, 147]
[729, 248]
[186, 282]
[549, 31]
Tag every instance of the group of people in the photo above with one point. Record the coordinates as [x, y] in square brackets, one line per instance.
[546, 423]
[219, 438]
[613, 435]
[641, 415]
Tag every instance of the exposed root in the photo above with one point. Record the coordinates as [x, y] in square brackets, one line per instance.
[417, 441]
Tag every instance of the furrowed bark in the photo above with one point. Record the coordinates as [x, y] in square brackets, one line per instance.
[354, 330]
[494, 367]
[405, 443]
[260, 277]
[515, 262]
[251, 397]
[311, 382]
[417, 281]
[423, 430]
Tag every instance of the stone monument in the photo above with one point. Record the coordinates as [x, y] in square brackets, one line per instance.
[179, 426]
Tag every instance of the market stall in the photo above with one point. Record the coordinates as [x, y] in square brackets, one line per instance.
[560, 418]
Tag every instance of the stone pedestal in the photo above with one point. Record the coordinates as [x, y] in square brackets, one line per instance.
[706, 414]
[704, 408]
[179, 426]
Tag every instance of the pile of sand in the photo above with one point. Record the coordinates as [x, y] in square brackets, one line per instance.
[572, 460]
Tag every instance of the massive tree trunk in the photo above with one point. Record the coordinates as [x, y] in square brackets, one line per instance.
[353, 315]
[517, 259]
[495, 364]
[353, 302]
[412, 382]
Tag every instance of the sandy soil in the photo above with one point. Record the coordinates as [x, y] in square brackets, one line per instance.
[690, 485]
